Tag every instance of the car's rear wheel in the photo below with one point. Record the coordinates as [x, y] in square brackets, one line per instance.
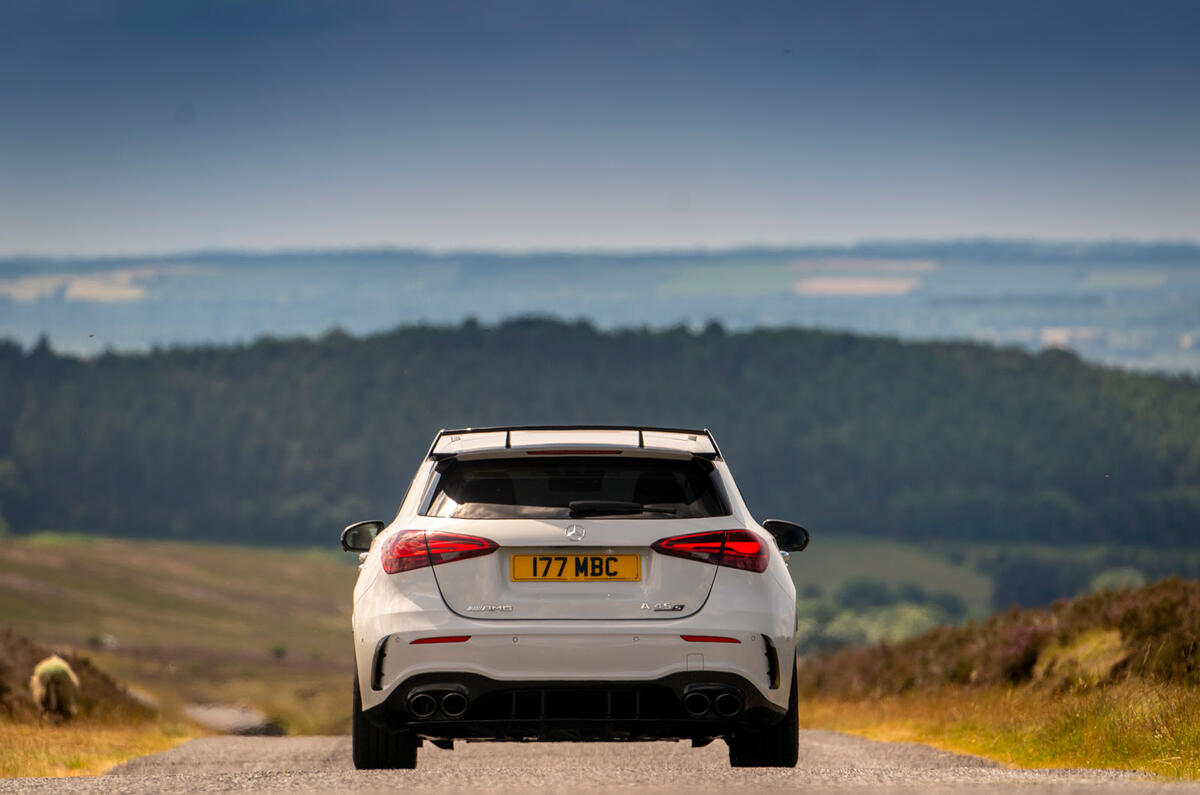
[776, 746]
[376, 748]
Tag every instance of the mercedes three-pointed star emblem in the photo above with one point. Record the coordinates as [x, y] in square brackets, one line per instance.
[575, 532]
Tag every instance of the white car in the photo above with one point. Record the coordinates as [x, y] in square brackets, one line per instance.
[574, 583]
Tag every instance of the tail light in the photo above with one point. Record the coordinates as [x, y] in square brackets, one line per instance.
[416, 549]
[449, 547]
[744, 550]
[704, 547]
[737, 549]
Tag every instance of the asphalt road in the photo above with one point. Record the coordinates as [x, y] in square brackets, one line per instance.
[827, 761]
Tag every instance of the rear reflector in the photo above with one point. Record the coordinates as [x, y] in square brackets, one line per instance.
[444, 639]
[709, 639]
[737, 549]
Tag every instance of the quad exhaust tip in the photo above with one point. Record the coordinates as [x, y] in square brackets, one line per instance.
[727, 705]
[422, 705]
[696, 704]
[454, 704]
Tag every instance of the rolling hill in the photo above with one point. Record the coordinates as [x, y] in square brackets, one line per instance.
[282, 442]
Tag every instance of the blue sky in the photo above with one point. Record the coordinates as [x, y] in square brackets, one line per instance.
[153, 127]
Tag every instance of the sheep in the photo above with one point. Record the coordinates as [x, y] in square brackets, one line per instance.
[55, 688]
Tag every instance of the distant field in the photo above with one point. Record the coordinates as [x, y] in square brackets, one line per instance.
[832, 558]
[160, 595]
[189, 622]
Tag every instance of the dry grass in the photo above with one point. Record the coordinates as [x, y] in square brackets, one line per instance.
[81, 748]
[1108, 680]
[1132, 725]
[1158, 628]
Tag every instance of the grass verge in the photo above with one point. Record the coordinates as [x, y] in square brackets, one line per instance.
[82, 748]
[301, 700]
[1133, 725]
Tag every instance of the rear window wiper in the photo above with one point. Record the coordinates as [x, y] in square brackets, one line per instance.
[602, 507]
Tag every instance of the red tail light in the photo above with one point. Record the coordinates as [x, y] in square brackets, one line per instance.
[416, 549]
[737, 549]
[405, 551]
[704, 547]
[449, 547]
[744, 550]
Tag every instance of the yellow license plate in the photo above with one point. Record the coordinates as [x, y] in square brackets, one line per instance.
[576, 568]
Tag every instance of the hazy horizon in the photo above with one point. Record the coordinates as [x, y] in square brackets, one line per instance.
[15, 258]
[1136, 305]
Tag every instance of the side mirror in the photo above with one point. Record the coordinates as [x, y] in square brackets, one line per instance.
[358, 536]
[790, 536]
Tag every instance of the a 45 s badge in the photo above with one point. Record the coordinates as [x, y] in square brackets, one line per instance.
[664, 607]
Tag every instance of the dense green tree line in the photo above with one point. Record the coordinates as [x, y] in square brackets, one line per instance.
[291, 439]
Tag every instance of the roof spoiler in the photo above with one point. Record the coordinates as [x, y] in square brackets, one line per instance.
[592, 438]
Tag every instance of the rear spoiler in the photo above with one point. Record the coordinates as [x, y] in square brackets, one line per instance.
[582, 439]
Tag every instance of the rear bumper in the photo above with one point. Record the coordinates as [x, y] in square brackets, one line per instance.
[685, 705]
[527, 652]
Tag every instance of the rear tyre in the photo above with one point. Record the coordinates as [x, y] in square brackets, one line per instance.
[776, 746]
[376, 748]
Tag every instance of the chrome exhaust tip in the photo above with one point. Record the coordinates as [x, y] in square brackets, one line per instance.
[454, 704]
[727, 705]
[422, 705]
[696, 704]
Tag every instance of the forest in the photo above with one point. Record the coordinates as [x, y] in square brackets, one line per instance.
[284, 441]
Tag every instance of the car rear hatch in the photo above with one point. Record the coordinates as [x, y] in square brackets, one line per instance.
[574, 528]
[538, 572]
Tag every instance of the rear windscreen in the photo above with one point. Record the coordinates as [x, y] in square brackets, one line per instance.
[571, 487]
